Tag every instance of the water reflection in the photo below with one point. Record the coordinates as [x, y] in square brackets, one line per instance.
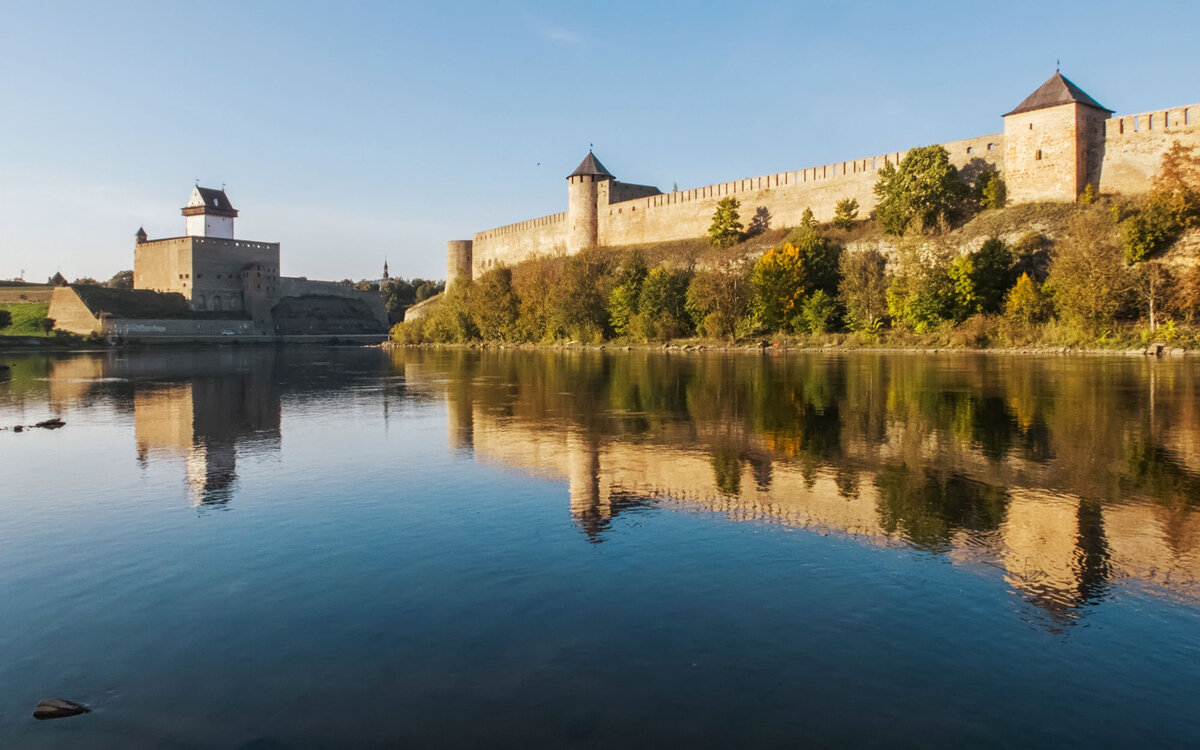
[1066, 475]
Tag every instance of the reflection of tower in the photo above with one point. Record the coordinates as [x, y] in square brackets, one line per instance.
[1056, 552]
[204, 420]
[460, 422]
[589, 504]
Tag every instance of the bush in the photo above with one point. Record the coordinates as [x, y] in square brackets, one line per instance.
[5, 319]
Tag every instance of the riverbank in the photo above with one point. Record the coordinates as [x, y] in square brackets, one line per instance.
[689, 346]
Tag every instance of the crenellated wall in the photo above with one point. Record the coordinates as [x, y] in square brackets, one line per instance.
[1134, 145]
[684, 214]
[517, 242]
[1047, 154]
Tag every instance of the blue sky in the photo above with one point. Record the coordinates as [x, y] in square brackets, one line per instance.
[352, 130]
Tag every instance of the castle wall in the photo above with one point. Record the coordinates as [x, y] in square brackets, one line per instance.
[160, 265]
[1134, 146]
[205, 270]
[686, 214]
[26, 293]
[298, 287]
[70, 314]
[218, 268]
[514, 243]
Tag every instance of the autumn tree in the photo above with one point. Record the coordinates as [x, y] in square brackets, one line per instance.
[719, 299]
[1088, 273]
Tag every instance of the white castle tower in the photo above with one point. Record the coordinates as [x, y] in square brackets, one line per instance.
[209, 214]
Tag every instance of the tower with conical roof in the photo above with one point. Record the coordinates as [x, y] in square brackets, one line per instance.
[583, 203]
[1054, 142]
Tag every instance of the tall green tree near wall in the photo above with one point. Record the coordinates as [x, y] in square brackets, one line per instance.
[726, 227]
[924, 191]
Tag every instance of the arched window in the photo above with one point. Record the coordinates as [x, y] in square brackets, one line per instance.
[200, 302]
[216, 302]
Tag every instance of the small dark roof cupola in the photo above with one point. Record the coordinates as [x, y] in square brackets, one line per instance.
[1058, 90]
[591, 167]
[141, 235]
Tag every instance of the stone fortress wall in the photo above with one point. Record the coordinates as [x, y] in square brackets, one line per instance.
[1046, 153]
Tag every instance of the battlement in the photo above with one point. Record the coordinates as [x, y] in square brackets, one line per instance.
[1054, 143]
[521, 226]
[1163, 119]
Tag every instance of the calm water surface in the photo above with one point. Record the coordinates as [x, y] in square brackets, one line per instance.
[341, 547]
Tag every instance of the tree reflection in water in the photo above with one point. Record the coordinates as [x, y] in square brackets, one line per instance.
[1043, 467]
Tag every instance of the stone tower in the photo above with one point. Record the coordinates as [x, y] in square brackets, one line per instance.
[1054, 143]
[583, 203]
[458, 261]
[209, 214]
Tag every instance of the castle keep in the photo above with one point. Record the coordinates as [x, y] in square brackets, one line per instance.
[1054, 143]
[208, 284]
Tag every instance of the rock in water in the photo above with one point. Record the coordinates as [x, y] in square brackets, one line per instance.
[58, 708]
[50, 424]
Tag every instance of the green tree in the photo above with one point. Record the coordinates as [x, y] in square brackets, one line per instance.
[863, 289]
[778, 281]
[817, 313]
[579, 300]
[726, 228]
[807, 220]
[925, 190]
[922, 293]
[845, 212]
[121, 280]
[962, 277]
[718, 300]
[662, 311]
[623, 300]
[494, 305]
[820, 257]
[992, 275]
[990, 189]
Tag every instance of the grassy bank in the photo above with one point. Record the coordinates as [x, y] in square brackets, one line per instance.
[27, 319]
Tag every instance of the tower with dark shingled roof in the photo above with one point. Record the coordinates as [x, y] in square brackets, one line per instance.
[583, 203]
[1054, 142]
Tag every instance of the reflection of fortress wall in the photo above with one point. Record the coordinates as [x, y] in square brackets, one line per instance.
[1042, 544]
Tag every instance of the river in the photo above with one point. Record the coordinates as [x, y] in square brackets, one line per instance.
[342, 547]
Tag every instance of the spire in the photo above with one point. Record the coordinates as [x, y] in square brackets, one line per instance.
[385, 269]
[140, 236]
[591, 166]
[1058, 90]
